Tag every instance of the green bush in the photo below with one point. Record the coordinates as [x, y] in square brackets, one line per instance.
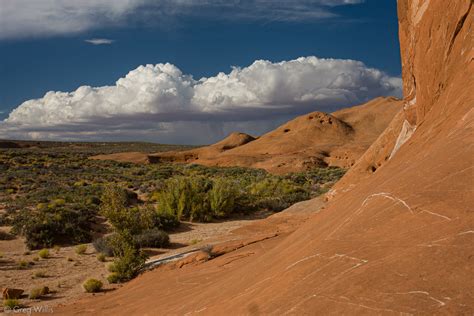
[11, 303]
[92, 286]
[81, 249]
[43, 253]
[186, 198]
[113, 278]
[112, 268]
[101, 257]
[165, 221]
[57, 203]
[197, 198]
[37, 293]
[114, 208]
[277, 194]
[152, 238]
[49, 226]
[222, 197]
[129, 260]
[174, 198]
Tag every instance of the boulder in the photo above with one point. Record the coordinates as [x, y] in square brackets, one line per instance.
[10, 293]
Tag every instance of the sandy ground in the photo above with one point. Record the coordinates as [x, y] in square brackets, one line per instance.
[65, 270]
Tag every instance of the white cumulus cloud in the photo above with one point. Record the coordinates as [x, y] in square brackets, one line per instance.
[154, 98]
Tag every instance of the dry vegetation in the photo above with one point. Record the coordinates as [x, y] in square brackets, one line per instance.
[54, 201]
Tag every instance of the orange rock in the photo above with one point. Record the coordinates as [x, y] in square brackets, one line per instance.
[312, 140]
[9, 293]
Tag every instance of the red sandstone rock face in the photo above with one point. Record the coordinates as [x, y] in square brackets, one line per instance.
[436, 41]
[397, 240]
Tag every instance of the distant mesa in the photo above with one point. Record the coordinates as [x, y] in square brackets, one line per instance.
[13, 144]
[6, 144]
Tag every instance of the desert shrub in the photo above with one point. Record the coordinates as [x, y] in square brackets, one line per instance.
[112, 268]
[57, 203]
[81, 249]
[102, 245]
[53, 226]
[38, 292]
[114, 208]
[129, 265]
[207, 193]
[40, 274]
[173, 199]
[129, 260]
[5, 220]
[325, 175]
[11, 303]
[43, 253]
[222, 197]
[92, 286]
[186, 198]
[114, 205]
[23, 264]
[276, 194]
[101, 257]
[5, 235]
[152, 238]
[199, 208]
[165, 220]
[93, 200]
[35, 294]
[113, 278]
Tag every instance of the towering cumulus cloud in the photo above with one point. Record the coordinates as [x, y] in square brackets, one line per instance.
[154, 97]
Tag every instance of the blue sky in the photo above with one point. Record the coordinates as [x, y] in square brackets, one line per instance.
[200, 40]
